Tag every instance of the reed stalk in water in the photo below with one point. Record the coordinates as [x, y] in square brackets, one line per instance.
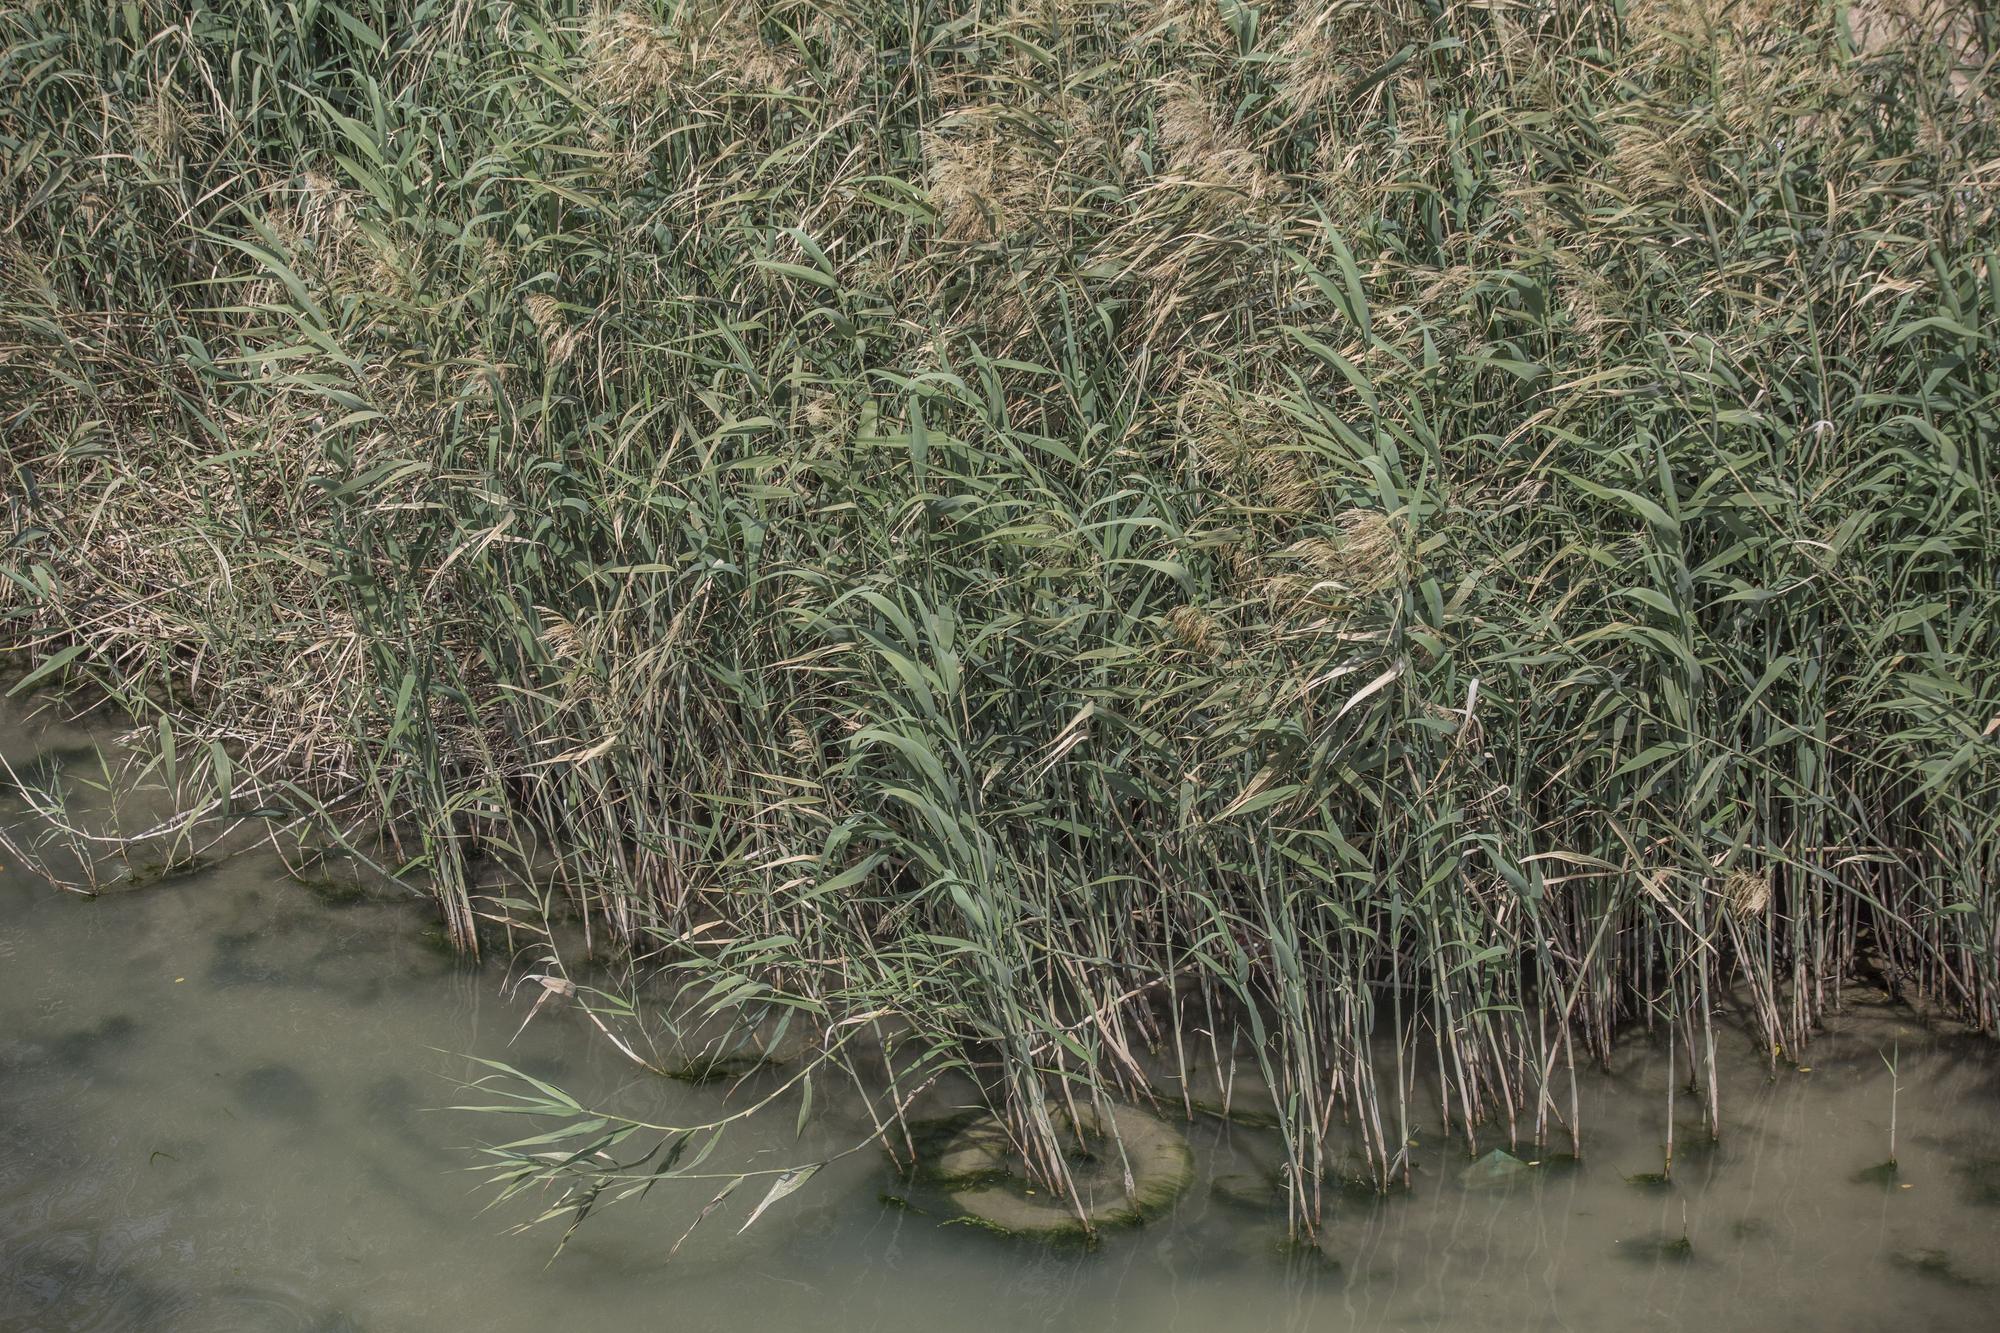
[1396, 539]
[1895, 1092]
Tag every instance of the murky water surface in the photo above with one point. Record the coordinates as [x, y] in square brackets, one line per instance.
[218, 1110]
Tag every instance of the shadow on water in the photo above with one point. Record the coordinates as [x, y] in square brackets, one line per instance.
[278, 1091]
[82, 1048]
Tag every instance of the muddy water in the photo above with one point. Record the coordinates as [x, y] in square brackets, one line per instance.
[219, 1110]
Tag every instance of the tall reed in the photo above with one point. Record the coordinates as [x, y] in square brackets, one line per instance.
[1390, 538]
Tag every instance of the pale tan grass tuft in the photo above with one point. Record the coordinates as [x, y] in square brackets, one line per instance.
[628, 57]
[1368, 557]
[1948, 26]
[1195, 629]
[1650, 163]
[559, 338]
[982, 184]
[1747, 892]
[1207, 153]
[162, 123]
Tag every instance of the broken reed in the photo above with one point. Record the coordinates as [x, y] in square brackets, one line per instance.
[1390, 538]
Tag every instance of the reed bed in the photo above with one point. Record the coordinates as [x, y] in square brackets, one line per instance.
[1382, 542]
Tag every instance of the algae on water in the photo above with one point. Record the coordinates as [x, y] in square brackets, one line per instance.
[1124, 1165]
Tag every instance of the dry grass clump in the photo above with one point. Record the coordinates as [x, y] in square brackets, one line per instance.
[1204, 26]
[1670, 29]
[1951, 29]
[1206, 153]
[163, 124]
[629, 57]
[1343, 569]
[1311, 56]
[1748, 892]
[1366, 557]
[981, 182]
[559, 338]
[1246, 446]
[1651, 163]
[1195, 629]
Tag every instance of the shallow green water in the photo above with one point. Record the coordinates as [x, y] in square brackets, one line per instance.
[217, 1112]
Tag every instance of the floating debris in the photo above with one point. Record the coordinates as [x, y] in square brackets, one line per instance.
[1496, 1169]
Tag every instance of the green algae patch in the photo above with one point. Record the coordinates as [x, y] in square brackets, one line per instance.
[1359, 1187]
[332, 890]
[976, 1153]
[1656, 1249]
[166, 872]
[718, 1066]
[976, 1165]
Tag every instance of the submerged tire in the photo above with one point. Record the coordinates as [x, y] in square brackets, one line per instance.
[985, 1181]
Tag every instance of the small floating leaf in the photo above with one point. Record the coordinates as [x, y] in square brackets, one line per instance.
[782, 1186]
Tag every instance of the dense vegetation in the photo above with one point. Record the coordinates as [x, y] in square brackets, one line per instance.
[1393, 538]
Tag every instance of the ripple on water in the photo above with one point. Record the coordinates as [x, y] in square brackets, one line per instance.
[66, 1278]
[244, 1308]
[62, 1279]
[42, 1268]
